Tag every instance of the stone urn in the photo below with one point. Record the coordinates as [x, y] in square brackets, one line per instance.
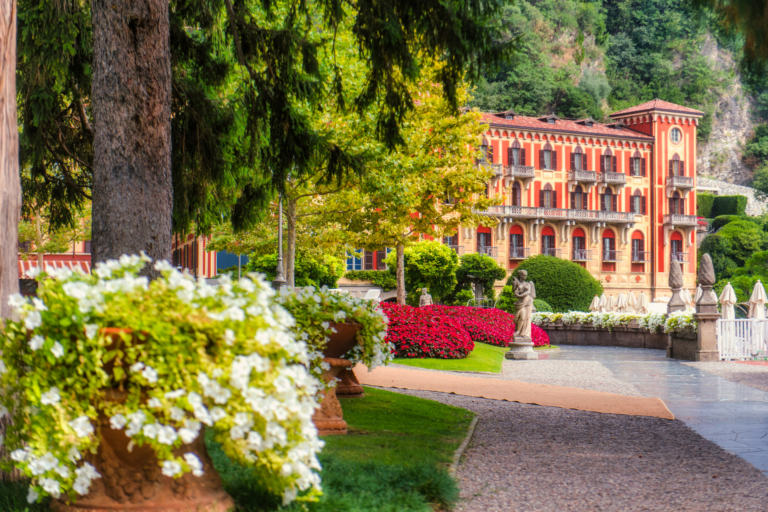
[329, 419]
[131, 476]
[349, 386]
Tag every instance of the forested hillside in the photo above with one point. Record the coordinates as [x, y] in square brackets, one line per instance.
[591, 58]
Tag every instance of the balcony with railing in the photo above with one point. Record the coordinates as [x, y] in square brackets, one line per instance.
[519, 171]
[550, 251]
[676, 219]
[582, 176]
[641, 256]
[681, 182]
[458, 249]
[558, 214]
[582, 255]
[488, 250]
[611, 255]
[680, 257]
[518, 253]
[612, 178]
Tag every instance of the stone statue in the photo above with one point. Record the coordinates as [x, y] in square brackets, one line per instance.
[522, 345]
[525, 292]
[426, 298]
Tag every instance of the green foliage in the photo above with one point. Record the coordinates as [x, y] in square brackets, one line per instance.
[745, 239]
[507, 300]
[756, 148]
[542, 306]
[729, 205]
[719, 249]
[760, 181]
[483, 358]
[722, 220]
[564, 285]
[428, 264]
[482, 267]
[310, 270]
[460, 298]
[704, 204]
[744, 278]
[383, 278]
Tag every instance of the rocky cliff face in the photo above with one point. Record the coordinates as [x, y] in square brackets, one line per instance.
[720, 158]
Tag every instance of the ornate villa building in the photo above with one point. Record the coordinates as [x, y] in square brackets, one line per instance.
[618, 199]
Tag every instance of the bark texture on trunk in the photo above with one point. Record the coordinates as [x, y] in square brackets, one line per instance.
[131, 94]
[10, 186]
[290, 250]
[39, 242]
[400, 271]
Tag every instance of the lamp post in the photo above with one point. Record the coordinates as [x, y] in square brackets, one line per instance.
[279, 281]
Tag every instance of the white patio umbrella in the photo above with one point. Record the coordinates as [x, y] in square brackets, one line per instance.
[603, 303]
[699, 293]
[611, 303]
[727, 300]
[595, 306]
[621, 303]
[642, 304]
[757, 301]
[631, 302]
[686, 296]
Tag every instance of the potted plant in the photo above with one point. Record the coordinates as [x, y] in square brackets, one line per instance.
[111, 379]
[340, 331]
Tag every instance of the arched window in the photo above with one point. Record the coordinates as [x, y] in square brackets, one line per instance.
[486, 150]
[608, 161]
[609, 201]
[579, 245]
[547, 157]
[638, 203]
[548, 197]
[637, 164]
[484, 244]
[516, 154]
[578, 160]
[548, 241]
[517, 249]
[676, 247]
[676, 204]
[676, 166]
[517, 194]
[638, 248]
[609, 246]
[579, 200]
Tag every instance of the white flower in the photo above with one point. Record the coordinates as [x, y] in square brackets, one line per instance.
[102, 271]
[87, 471]
[16, 301]
[150, 374]
[32, 495]
[255, 442]
[194, 464]
[39, 305]
[173, 395]
[82, 426]
[171, 468]
[135, 421]
[155, 403]
[51, 397]
[91, 330]
[187, 435]
[48, 461]
[33, 320]
[20, 455]
[81, 486]
[137, 367]
[217, 413]
[117, 421]
[166, 435]
[73, 455]
[57, 350]
[163, 266]
[177, 414]
[229, 337]
[236, 432]
[37, 342]
[150, 430]
[339, 315]
[50, 486]
[63, 471]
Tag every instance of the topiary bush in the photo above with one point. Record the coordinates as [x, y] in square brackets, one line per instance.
[729, 205]
[564, 285]
[422, 332]
[385, 279]
[542, 306]
[704, 203]
[482, 267]
[310, 270]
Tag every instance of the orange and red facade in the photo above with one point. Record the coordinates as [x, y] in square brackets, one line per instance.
[617, 198]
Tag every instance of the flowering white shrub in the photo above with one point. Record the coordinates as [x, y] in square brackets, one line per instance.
[651, 321]
[192, 355]
[680, 320]
[314, 310]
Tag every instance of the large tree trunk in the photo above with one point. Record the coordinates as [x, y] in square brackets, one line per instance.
[400, 271]
[10, 187]
[132, 190]
[290, 251]
[39, 241]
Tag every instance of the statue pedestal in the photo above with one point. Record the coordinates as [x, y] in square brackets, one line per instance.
[521, 348]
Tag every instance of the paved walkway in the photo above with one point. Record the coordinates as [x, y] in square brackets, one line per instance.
[729, 414]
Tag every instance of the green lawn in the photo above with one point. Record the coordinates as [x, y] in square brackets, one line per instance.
[484, 358]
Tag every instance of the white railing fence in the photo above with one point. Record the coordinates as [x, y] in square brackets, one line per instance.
[742, 338]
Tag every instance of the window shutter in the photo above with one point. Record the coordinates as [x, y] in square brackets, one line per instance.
[631, 169]
[643, 166]
[602, 164]
[541, 198]
[682, 168]
[368, 260]
[671, 205]
[602, 202]
[613, 246]
[510, 159]
[682, 206]
[522, 156]
[573, 161]
[615, 201]
[573, 199]
[554, 199]
[670, 167]
[554, 159]
[585, 202]
[614, 168]
[380, 255]
[541, 159]
[645, 211]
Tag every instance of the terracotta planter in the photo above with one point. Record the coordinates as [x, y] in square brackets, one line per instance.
[131, 479]
[349, 387]
[329, 419]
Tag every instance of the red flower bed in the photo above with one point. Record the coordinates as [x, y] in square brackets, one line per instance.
[420, 333]
[448, 332]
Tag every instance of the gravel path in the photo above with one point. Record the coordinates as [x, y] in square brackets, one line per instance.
[573, 374]
[530, 458]
[755, 376]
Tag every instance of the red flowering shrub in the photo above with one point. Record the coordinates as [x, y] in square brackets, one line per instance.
[419, 333]
[448, 332]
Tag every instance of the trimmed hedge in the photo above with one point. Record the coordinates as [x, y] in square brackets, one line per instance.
[386, 279]
[704, 203]
[729, 205]
[542, 306]
[563, 284]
